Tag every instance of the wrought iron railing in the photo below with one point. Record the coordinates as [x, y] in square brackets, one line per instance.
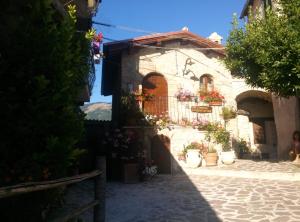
[182, 111]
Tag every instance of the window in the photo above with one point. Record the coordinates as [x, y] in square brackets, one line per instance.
[206, 83]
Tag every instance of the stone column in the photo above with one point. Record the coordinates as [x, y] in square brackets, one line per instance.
[243, 125]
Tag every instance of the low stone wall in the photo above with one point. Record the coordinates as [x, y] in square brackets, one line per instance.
[181, 137]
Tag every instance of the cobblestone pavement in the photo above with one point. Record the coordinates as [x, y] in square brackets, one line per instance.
[203, 198]
[260, 166]
[284, 170]
[239, 193]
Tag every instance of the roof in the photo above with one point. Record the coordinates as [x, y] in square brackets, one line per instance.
[162, 37]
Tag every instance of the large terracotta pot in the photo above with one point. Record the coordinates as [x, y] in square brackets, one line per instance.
[228, 157]
[193, 158]
[211, 159]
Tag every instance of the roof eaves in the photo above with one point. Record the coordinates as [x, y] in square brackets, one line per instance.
[149, 39]
[245, 8]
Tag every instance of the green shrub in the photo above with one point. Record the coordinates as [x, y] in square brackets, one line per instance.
[43, 65]
[219, 135]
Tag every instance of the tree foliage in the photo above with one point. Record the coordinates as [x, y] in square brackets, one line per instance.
[43, 65]
[266, 50]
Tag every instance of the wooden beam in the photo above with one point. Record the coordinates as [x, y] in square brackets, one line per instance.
[45, 185]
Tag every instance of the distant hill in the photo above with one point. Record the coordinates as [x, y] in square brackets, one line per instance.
[97, 111]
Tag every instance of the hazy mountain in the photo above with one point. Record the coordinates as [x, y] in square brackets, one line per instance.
[97, 111]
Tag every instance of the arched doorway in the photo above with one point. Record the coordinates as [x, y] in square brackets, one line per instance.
[155, 84]
[160, 153]
[262, 128]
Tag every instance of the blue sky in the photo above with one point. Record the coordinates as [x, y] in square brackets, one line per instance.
[201, 17]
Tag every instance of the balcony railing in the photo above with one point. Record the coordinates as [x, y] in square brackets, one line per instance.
[180, 112]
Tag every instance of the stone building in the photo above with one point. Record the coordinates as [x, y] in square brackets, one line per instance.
[166, 64]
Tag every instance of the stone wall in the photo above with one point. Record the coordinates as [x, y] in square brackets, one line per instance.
[286, 112]
[171, 63]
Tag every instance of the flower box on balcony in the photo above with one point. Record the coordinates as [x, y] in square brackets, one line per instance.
[213, 98]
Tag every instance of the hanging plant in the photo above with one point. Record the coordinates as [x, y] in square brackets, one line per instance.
[184, 95]
[96, 41]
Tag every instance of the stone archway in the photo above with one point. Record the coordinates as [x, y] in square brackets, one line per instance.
[259, 124]
[156, 85]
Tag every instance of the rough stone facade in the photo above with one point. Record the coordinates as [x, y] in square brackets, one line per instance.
[182, 64]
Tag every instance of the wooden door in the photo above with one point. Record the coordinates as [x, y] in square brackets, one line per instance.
[160, 153]
[156, 85]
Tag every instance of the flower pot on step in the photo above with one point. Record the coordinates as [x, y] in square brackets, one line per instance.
[193, 158]
[228, 157]
[211, 159]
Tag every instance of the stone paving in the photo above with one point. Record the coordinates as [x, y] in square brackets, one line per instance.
[261, 166]
[265, 192]
[188, 199]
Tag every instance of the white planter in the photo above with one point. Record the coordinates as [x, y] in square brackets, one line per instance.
[193, 158]
[228, 157]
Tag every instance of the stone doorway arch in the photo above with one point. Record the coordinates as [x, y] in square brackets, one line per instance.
[256, 124]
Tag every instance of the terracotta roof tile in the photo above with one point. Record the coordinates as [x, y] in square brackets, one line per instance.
[160, 37]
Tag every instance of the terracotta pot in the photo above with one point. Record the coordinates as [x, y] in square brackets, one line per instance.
[216, 103]
[211, 159]
[193, 158]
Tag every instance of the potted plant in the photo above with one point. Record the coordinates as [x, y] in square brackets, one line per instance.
[160, 122]
[222, 136]
[184, 95]
[193, 157]
[203, 125]
[243, 149]
[123, 147]
[219, 135]
[213, 98]
[211, 157]
[228, 113]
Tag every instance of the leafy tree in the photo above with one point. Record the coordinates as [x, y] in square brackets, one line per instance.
[266, 50]
[43, 65]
